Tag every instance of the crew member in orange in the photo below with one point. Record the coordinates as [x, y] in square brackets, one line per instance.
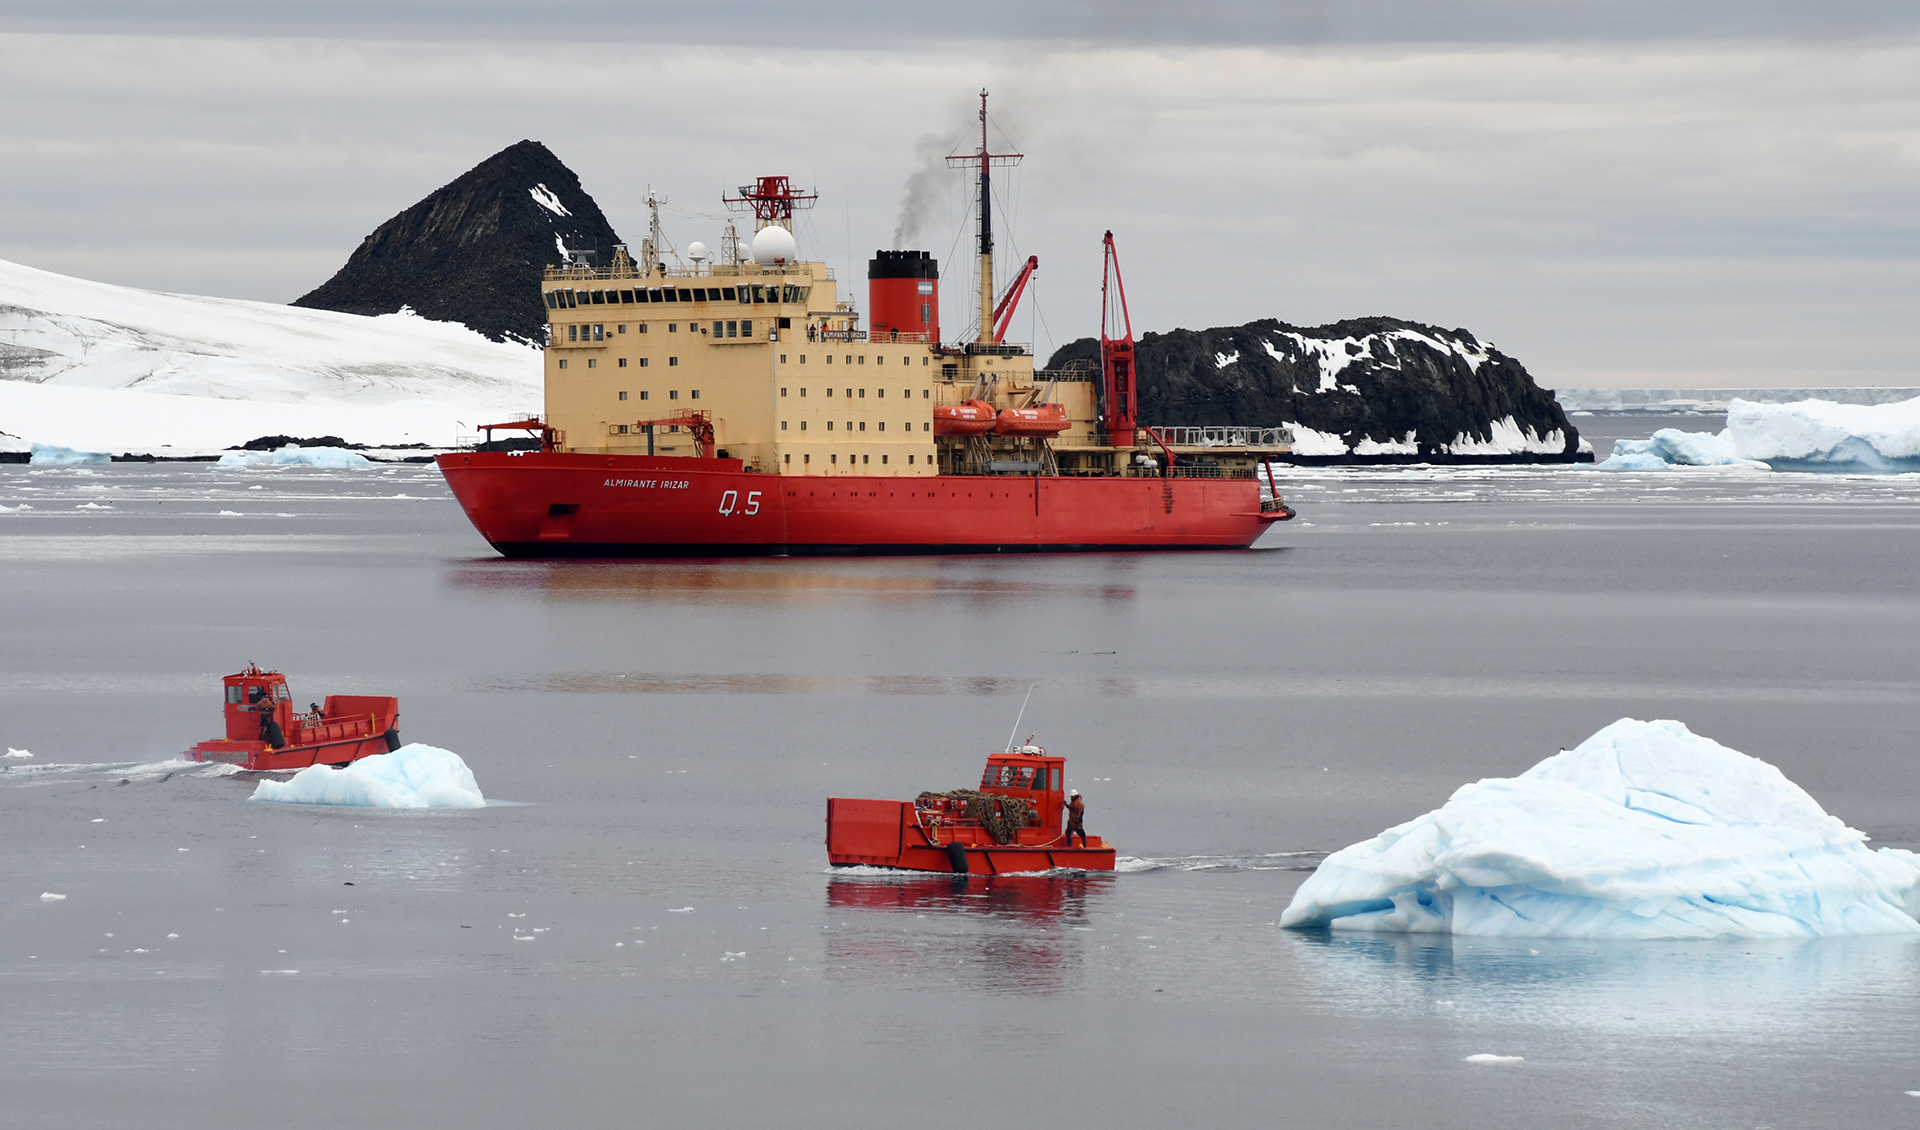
[1076, 811]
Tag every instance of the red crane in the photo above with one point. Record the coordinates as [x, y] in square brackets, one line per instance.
[1116, 354]
[1003, 313]
[699, 423]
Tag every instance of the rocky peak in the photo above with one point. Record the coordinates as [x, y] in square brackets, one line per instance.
[474, 250]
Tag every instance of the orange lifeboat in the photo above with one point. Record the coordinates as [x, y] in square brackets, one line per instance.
[974, 418]
[1040, 420]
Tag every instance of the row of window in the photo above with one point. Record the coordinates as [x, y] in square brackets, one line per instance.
[905, 393]
[594, 362]
[862, 359]
[672, 394]
[834, 458]
[754, 295]
[878, 426]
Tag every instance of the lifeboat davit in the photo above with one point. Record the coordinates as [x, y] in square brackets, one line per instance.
[1015, 821]
[264, 732]
[974, 418]
[1040, 420]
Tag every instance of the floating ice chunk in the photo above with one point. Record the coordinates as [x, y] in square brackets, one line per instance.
[1671, 447]
[18, 754]
[293, 455]
[1819, 435]
[231, 514]
[413, 776]
[49, 896]
[47, 455]
[1645, 831]
[1489, 1057]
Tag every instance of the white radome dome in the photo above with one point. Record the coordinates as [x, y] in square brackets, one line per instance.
[696, 251]
[773, 245]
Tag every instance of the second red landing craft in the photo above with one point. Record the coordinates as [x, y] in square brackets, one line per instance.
[931, 835]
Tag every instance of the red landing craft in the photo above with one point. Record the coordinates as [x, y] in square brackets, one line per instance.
[933, 834]
[264, 733]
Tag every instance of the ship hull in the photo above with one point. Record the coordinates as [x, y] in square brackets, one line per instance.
[550, 504]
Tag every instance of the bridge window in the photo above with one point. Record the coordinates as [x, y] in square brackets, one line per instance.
[686, 296]
[573, 333]
[746, 328]
[233, 693]
[727, 294]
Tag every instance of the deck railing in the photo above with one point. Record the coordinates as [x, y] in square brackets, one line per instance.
[1225, 436]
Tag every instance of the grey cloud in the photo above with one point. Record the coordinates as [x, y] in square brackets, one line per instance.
[602, 26]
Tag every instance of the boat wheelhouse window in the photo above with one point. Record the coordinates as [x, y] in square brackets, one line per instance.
[553, 300]
[599, 331]
[727, 294]
[651, 295]
[699, 294]
[234, 692]
[572, 298]
[573, 333]
[746, 328]
[599, 297]
[759, 294]
[626, 296]
[1024, 778]
[686, 295]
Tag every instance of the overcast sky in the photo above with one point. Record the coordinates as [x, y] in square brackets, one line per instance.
[1616, 194]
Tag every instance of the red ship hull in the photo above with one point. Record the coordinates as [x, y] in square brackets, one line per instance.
[551, 504]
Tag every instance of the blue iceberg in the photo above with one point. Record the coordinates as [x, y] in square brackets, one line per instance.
[293, 455]
[1806, 435]
[1645, 831]
[47, 455]
[413, 776]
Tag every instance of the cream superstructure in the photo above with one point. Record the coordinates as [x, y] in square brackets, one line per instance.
[775, 358]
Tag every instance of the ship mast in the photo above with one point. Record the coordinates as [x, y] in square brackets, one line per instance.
[985, 160]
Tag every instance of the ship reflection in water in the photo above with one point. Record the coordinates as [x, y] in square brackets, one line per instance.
[987, 580]
[996, 934]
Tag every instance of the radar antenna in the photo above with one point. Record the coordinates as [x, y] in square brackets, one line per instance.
[772, 200]
[656, 239]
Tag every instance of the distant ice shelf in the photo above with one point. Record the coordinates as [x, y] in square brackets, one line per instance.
[95, 368]
[1645, 831]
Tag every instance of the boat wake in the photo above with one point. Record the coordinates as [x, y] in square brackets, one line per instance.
[127, 772]
[1272, 861]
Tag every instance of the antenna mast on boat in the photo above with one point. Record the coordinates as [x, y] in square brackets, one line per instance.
[1022, 714]
[986, 160]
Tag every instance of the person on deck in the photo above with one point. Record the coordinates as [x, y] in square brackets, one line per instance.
[1076, 812]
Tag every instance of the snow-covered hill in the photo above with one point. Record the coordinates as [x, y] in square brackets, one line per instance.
[108, 368]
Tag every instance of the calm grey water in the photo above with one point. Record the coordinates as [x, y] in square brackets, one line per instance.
[649, 935]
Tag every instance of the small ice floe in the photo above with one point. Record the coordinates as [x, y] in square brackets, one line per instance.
[1490, 1058]
[413, 776]
[679, 910]
[49, 896]
[278, 972]
[231, 514]
[730, 956]
[94, 506]
[14, 509]
[18, 754]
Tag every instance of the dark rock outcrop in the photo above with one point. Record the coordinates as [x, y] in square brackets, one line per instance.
[473, 251]
[1380, 385]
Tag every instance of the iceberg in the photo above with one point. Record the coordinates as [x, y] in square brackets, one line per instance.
[1807, 435]
[1645, 831]
[293, 455]
[413, 776]
[48, 455]
[1819, 435]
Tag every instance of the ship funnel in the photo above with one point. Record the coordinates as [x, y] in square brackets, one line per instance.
[903, 296]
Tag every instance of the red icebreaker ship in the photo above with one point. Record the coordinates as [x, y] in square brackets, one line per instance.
[738, 405]
[1013, 823]
[264, 732]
